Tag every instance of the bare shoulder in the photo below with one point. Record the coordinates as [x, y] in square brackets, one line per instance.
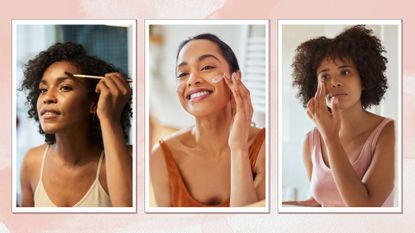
[32, 162]
[33, 156]
[387, 135]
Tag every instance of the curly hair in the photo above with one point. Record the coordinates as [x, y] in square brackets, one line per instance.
[357, 44]
[78, 57]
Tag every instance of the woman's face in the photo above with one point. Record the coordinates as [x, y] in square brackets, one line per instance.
[200, 66]
[341, 80]
[63, 102]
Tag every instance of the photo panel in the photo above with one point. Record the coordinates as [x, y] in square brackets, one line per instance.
[189, 67]
[63, 73]
[353, 122]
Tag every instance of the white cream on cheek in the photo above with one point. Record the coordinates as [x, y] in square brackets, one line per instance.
[217, 79]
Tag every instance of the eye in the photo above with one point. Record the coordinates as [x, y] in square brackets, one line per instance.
[182, 75]
[42, 90]
[324, 77]
[346, 72]
[207, 67]
[66, 88]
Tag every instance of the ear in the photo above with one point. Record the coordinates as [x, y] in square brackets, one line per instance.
[92, 107]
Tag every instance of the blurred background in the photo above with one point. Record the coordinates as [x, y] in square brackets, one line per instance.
[295, 122]
[111, 42]
[248, 42]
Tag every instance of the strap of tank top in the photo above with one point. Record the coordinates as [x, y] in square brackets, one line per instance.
[256, 147]
[376, 133]
[101, 157]
[43, 162]
[168, 157]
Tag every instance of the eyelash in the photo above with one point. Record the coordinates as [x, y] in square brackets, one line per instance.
[181, 75]
[64, 88]
[207, 67]
[204, 68]
[345, 72]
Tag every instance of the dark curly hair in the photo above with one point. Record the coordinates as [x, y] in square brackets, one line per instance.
[224, 48]
[357, 44]
[78, 57]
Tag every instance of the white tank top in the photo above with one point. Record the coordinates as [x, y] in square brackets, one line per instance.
[94, 197]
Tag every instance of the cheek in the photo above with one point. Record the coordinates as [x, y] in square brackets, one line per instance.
[180, 86]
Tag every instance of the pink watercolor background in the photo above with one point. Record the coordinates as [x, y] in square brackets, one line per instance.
[199, 9]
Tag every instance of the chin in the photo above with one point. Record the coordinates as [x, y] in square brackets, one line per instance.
[51, 128]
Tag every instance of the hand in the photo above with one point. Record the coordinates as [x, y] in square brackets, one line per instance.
[114, 93]
[328, 123]
[242, 112]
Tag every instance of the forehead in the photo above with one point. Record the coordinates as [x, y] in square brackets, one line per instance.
[329, 62]
[57, 70]
[196, 48]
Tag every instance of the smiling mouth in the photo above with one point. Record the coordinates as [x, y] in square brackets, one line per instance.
[198, 95]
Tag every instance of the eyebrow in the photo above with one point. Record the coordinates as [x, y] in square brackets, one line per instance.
[61, 79]
[200, 58]
[340, 67]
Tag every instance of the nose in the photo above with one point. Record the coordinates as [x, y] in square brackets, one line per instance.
[49, 97]
[194, 79]
[335, 82]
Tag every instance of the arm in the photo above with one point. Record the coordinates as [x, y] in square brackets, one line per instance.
[114, 94]
[243, 191]
[159, 177]
[377, 183]
[27, 197]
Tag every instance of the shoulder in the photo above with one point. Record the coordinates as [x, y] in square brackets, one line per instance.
[387, 135]
[171, 142]
[32, 162]
[34, 155]
[178, 136]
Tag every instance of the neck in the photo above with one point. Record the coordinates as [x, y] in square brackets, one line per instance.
[75, 147]
[212, 132]
[352, 118]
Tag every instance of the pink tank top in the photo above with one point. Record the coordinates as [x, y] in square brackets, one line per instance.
[322, 184]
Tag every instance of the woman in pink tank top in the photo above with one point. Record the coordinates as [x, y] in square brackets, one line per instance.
[349, 156]
[220, 161]
[85, 123]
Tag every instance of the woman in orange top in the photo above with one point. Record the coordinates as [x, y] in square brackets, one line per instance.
[220, 161]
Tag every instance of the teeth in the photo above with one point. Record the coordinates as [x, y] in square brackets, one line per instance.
[198, 94]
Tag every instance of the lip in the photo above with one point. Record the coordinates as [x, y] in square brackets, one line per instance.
[49, 113]
[198, 94]
[336, 94]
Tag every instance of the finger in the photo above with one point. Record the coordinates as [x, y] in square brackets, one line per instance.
[310, 115]
[233, 105]
[101, 87]
[228, 80]
[245, 95]
[119, 77]
[335, 108]
[236, 93]
[316, 102]
[109, 82]
[323, 94]
[117, 83]
[310, 105]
